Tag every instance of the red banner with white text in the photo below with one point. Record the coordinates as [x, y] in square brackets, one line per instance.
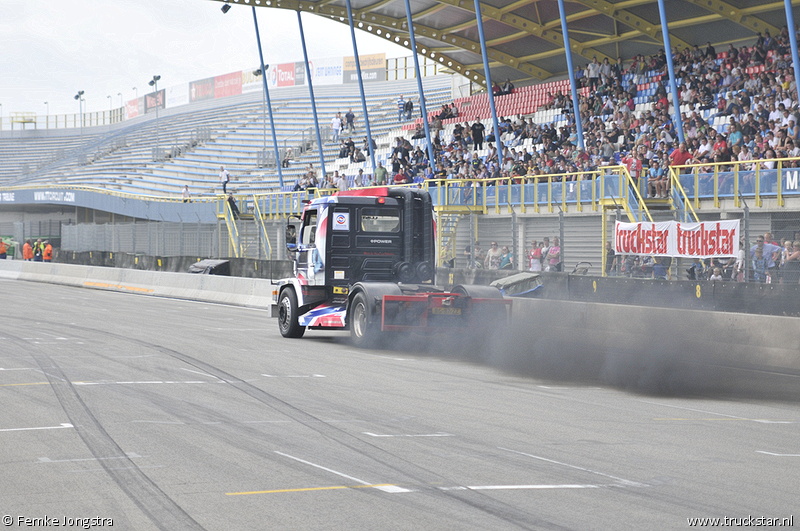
[680, 240]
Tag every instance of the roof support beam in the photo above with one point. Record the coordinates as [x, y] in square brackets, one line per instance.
[529, 26]
[651, 29]
[730, 12]
[395, 25]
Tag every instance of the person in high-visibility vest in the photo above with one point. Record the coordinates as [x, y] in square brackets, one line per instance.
[38, 250]
[27, 251]
[48, 251]
[3, 249]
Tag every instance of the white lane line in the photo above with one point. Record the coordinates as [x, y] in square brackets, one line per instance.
[622, 480]
[200, 373]
[19, 369]
[293, 375]
[762, 421]
[410, 435]
[63, 425]
[531, 487]
[128, 455]
[777, 455]
[392, 489]
[149, 382]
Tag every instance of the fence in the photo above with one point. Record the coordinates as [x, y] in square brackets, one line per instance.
[153, 238]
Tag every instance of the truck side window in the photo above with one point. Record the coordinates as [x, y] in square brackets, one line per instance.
[310, 228]
[380, 220]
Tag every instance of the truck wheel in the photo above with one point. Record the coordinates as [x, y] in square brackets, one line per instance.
[288, 314]
[363, 333]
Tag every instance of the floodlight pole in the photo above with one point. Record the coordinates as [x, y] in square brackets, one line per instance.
[311, 94]
[576, 107]
[793, 41]
[487, 74]
[673, 83]
[269, 103]
[423, 108]
[361, 86]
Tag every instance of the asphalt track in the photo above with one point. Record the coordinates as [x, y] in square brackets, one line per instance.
[167, 414]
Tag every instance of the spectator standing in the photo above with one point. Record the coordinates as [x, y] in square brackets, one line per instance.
[554, 256]
[493, 257]
[224, 178]
[336, 126]
[401, 108]
[27, 251]
[234, 207]
[760, 268]
[409, 108]
[770, 253]
[186, 193]
[350, 121]
[380, 174]
[47, 254]
[341, 182]
[611, 259]
[791, 266]
[506, 259]
[38, 251]
[535, 256]
[477, 133]
[3, 249]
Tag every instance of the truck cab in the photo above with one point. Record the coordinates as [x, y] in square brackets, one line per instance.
[353, 253]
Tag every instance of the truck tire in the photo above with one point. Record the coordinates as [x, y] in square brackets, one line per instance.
[363, 333]
[288, 314]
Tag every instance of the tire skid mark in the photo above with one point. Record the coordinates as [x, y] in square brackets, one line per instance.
[414, 472]
[140, 489]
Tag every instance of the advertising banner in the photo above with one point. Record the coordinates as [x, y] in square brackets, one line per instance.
[228, 85]
[153, 101]
[250, 81]
[299, 74]
[681, 240]
[327, 71]
[177, 95]
[132, 108]
[202, 89]
[281, 75]
[373, 68]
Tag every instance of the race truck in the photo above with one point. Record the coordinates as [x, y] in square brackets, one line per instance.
[364, 260]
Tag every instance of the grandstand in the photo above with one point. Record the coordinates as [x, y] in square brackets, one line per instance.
[558, 193]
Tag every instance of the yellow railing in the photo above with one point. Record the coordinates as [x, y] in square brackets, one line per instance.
[749, 177]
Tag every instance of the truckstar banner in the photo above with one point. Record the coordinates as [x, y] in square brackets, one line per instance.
[680, 240]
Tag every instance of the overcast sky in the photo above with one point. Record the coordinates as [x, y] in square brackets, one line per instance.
[51, 49]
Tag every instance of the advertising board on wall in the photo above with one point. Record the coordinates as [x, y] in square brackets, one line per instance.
[680, 240]
[177, 95]
[326, 71]
[202, 89]
[228, 85]
[373, 68]
[153, 101]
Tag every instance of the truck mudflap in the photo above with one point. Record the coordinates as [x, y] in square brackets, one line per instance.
[433, 312]
[325, 315]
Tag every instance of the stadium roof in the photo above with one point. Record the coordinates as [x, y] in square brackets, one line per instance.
[524, 38]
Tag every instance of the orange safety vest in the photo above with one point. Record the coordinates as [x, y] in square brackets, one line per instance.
[2, 247]
[27, 251]
[48, 252]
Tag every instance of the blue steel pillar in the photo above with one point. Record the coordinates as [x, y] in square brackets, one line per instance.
[422, 105]
[269, 103]
[576, 107]
[361, 86]
[487, 74]
[792, 40]
[311, 93]
[673, 83]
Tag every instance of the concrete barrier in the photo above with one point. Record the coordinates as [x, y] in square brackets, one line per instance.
[655, 350]
[239, 291]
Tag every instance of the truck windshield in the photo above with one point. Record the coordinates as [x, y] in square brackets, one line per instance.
[380, 220]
